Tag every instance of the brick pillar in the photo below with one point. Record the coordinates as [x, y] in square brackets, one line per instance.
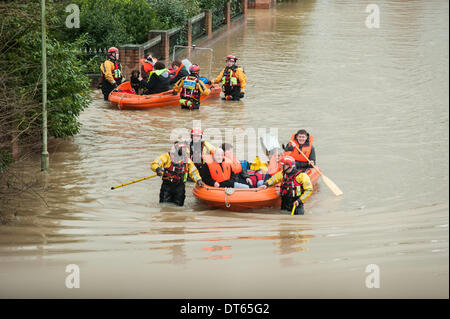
[208, 23]
[165, 43]
[244, 7]
[227, 13]
[129, 58]
[189, 33]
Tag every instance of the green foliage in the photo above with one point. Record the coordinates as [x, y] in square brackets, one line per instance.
[68, 84]
[212, 4]
[109, 23]
[175, 13]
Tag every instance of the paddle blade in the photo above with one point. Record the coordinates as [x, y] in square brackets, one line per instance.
[332, 186]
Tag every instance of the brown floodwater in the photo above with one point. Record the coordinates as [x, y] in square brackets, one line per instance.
[376, 101]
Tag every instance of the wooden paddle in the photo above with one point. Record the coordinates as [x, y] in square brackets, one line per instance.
[330, 184]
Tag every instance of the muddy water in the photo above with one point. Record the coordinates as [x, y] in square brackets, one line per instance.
[376, 101]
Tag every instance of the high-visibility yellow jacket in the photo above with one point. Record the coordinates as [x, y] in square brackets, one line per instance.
[164, 161]
[301, 178]
[239, 74]
[200, 86]
[108, 69]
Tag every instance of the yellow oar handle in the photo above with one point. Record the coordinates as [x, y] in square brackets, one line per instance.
[132, 182]
[293, 209]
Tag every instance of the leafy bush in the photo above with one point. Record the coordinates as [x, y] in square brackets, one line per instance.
[21, 78]
[109, 23]
[174, 13]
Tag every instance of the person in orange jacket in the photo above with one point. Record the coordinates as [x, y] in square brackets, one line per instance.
[147, 65]
[233, 80]
[303, 141]
[111, 72]
[240, 174]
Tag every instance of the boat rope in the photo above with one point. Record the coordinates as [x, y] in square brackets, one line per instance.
[228, 191]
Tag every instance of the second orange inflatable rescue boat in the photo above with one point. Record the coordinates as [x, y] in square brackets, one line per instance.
[238, 199]
[126, 100]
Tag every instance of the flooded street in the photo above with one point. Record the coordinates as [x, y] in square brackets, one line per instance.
[376, 102]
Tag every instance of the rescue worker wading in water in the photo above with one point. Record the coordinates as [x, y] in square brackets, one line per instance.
[111, 72]
[198, 148]
[295, 188]
[191, 89]
[233, 80]
[174, 168]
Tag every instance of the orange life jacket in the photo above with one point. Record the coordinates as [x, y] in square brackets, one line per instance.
[174, 75]
[235, 165]
[305, 149]
[218, 172]
[274, 165]
[148, 67]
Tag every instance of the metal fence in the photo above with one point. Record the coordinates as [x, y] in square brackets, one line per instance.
[218, 18]
[236, 9]
[177, 36]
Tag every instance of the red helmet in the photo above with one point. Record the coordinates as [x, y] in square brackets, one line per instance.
[194, 68]
[287, 160]
[231, 58]
[112, 50]
[196, 131]
[180, 143]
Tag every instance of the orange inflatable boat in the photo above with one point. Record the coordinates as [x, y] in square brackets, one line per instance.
[125, 98]
[238, 199]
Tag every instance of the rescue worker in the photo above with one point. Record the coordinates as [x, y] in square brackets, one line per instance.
[198, 148]
[303, 141]
[158, 80]
[240, 174]
[191, 89]
[179, 72]
[218, 172]
[295, 188]
[174, 167]
[233, 80]
[147, 65]
[111, 72]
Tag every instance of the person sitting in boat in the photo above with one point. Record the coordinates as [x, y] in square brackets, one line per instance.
[296, 186]
[191, 89]
[304, 142]
[111, 72]
[147, 64]
[198, 148]
[240, 174]
[179, 71]
[218, 172]
[158, 80]
[233, 80]
[174, 167]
